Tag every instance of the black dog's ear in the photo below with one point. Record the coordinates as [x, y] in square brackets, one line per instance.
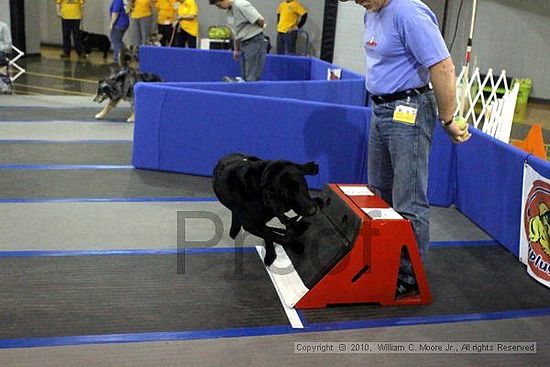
[310, 168]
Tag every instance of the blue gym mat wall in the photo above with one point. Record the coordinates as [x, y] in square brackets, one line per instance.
[294, 113]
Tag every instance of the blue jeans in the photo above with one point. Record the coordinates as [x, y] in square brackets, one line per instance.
[253, 53]
[116, 39]
[398, 162]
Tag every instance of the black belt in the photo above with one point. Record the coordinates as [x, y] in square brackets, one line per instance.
[387, 98]
[251, 38]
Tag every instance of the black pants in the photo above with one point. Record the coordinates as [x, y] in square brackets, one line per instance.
[184, 39]
[286, 43]
[71, 27]
[166, 31]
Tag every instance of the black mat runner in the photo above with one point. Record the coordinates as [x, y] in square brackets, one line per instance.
[97, 295]
[59, 153]
[117, 183]
[462, 280]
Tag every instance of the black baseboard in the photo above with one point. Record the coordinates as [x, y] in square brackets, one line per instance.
[544, 101]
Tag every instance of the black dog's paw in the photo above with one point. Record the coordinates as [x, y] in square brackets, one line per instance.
[269, 258]
[234, 231]
[295, 246]
[298, 228]
[320, 202]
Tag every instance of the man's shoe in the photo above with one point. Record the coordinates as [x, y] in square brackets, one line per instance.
[405, 290]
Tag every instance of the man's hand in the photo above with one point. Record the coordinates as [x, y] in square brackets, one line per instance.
[236, 54]
[458, 130]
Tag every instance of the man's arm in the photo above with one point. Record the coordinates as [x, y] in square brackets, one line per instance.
[261, 21]
[237, 49]
[443, 81]
[302, 21]
[114, 17]
[444, 84]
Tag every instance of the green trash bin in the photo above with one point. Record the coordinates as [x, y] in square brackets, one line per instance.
[520, 111]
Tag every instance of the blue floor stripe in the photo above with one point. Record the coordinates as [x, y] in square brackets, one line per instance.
[130, 252]
[464, 243]
[108, 200]
[84, 141]
[187, 250]
[45, 167]
[267, 330]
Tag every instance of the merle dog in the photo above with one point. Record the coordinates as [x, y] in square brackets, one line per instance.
[257, 191]
[92, 41]
[119, 86]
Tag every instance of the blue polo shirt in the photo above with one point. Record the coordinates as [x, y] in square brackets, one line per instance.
[402, 40]
[117, 6]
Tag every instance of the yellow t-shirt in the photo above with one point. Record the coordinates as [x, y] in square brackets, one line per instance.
[189, 7]
[71, 9]
[289, 15]
[141, 9]
[166, 11]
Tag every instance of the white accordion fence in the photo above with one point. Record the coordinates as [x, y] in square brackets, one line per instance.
[12, 63]
[497, 112]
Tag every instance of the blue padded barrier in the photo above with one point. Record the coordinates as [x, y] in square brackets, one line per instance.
[541, 166]
[348, 92]
[489, 186]
[442, 169]
[191, 140]
[319, 71]
[175, 64]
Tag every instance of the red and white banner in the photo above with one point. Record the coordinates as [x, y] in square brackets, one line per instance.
[534, 250]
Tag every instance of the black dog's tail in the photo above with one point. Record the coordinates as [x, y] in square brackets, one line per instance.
[310, 168]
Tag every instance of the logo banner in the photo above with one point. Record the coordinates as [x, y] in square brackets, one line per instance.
[534, 250]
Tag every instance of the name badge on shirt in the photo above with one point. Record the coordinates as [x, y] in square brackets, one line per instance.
[405, 113]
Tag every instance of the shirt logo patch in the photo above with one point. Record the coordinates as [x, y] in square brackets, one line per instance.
[372, 42]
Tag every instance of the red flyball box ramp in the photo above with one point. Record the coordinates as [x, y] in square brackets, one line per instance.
[352, 254]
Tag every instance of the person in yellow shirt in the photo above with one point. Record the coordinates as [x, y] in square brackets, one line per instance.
[166, 10]
[141, 19]
[71, 13]
[291, 15]
[188, 31]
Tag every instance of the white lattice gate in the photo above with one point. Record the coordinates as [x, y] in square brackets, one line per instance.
[479, 103]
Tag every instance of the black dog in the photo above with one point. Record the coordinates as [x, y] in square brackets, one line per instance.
[92, 41]
[257, 191]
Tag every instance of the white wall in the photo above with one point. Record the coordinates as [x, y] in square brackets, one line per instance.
[509, 34]
[348, 43]
[5, 11]
[32, 24]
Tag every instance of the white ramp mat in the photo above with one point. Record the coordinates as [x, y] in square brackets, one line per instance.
[286, 280]
[66, 131]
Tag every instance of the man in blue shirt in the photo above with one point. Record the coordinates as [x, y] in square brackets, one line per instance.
[405, 52]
